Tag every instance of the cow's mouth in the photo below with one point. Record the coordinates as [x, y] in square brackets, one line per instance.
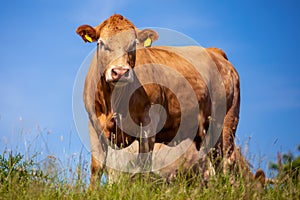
[119, 83]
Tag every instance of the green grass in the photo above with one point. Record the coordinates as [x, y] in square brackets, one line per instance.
[22, 178]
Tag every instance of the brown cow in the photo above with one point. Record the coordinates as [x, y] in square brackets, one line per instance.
[156, 94]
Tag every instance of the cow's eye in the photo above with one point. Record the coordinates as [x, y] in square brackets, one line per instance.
[103, 46]
[131, 47]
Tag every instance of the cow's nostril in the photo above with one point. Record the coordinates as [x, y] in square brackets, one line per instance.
[114, 72]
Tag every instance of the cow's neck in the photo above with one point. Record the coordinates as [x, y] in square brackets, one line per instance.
[115, 98]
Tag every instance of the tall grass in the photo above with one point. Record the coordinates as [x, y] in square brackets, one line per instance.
[38, 176]
[20, 179]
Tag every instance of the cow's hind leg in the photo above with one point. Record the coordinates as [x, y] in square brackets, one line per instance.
[229, 128]
[228, 146]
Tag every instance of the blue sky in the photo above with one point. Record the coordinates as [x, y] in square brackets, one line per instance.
[41, 54]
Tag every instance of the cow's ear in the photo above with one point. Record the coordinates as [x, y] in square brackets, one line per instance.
[146, 37]
[87, 33]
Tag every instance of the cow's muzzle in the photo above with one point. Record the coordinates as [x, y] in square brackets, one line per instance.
[118, 72]
[119, 75]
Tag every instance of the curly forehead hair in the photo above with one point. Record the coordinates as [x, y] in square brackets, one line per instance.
[116, 23]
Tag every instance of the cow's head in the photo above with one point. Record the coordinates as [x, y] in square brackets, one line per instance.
[117, 40]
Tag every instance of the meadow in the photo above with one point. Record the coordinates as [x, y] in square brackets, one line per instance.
[32, 175]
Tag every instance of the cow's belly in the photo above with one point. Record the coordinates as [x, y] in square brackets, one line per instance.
[176, 129]
[166, 136]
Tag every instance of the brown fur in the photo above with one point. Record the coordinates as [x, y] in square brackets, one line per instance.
[232, 87]
[98, 93]
[218, 51]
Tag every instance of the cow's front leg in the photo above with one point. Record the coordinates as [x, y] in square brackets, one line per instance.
[148, 134]
[146, 146]
[99, 153]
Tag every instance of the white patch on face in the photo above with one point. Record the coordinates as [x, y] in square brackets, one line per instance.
[108, 76]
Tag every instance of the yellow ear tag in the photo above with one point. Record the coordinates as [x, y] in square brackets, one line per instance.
[147, 42]
[88, 38]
